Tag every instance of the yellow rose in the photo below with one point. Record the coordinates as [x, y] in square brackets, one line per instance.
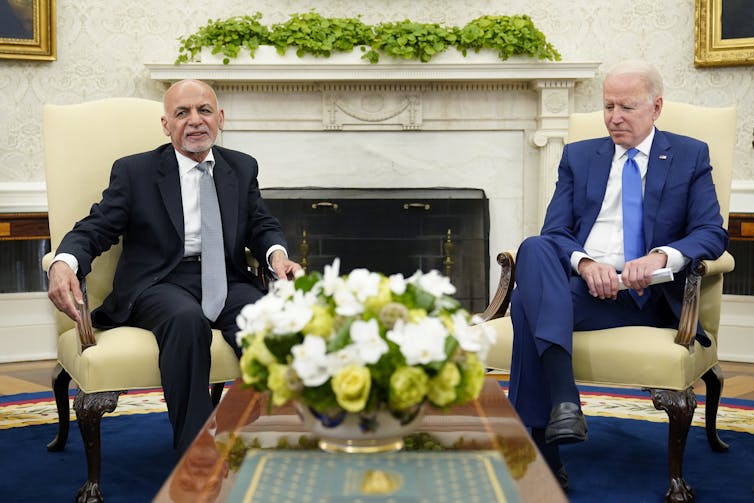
[253, 373]
[473, 373]
[351, 387]
[408, 387]
[278, 383]
[322, 322]
[442, 387]
[258, 351]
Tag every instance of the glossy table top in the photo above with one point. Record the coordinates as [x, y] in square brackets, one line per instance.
[207, 471]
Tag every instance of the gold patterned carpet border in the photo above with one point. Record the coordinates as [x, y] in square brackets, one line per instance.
[735, 417]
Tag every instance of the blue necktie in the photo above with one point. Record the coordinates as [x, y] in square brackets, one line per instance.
[214, 281]
[633, 215]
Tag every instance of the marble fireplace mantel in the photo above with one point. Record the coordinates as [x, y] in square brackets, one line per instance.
[499, 126]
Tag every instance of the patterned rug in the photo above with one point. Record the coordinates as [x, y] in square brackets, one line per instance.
[624, 460]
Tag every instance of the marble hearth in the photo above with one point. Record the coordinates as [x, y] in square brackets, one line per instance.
[498, 127]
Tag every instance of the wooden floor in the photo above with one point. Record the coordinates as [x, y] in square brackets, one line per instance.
[29, 377]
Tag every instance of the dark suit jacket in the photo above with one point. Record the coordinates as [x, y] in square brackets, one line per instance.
[143, 205]
[680, 204]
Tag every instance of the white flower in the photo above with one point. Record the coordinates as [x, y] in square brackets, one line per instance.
[283, 288]
[397, 284]
[338, 360]
[363, 284]
[421, 342]
[433, 282]
[366, 337]
[473, 339]
[294, 315]
[346, 303]
[257, 317]
[331, 279]
[310, 361]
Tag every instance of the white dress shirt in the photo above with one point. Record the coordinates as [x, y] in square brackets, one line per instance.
[605, 241]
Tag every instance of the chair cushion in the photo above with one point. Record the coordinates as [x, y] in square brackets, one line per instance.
[127, 358]
[625, 356]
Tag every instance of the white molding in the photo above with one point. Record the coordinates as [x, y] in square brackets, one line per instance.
[742, 196]
[27, 327]
[523, 69]
[23, 197]
[735, 342]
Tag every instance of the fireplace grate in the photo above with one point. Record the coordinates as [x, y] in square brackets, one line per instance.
[391, 231]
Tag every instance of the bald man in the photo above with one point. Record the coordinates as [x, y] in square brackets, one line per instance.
[153, 204]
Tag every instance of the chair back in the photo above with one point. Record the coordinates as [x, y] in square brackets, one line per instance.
[81, 142]
[717, 128]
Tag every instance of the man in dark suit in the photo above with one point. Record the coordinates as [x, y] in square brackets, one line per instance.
[153, 202]
[608, 215]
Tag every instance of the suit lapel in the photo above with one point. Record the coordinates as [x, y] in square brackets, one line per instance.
[226, 184]
[169, 184]
[660, 159]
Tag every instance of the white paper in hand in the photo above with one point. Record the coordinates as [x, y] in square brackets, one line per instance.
[662, 275]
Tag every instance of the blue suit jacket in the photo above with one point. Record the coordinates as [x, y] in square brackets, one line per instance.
[143, 205]
[680, 204]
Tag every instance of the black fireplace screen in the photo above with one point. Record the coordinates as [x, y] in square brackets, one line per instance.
[391, 231]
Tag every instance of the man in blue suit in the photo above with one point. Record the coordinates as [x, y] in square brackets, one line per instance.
[155, 203]
[567, 277]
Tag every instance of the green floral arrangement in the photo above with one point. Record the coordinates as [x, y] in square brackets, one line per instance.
[362, 342]
[508, 35]
[225, 36]
[311, 33]
[409, 40]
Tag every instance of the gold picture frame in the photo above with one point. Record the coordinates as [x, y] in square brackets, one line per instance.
[723, 40]
[27, 29]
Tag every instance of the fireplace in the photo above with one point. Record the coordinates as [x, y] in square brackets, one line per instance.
[391, 231]
[497, 129]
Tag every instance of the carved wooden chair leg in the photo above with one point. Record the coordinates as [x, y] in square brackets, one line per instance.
[89, 411]
[60, 381]
[217, 393]
[713, 379]
[680, 406]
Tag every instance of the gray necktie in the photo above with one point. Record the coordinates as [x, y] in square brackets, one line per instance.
[214, 281]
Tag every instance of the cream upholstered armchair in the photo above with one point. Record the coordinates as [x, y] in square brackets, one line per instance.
[664, 362]
[80, 144]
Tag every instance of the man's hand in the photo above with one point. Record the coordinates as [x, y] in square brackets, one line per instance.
[64, 290]
[601, 279]
[283, 267]
[637, 274]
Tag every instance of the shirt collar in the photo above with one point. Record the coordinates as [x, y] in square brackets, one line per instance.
[644, 147]
[185, 164]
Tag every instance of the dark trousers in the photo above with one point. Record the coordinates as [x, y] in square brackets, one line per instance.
[172, 310]
[549, 302]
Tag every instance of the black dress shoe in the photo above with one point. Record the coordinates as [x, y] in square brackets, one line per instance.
[562, 477]
[566, 425]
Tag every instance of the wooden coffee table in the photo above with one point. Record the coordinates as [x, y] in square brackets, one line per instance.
[207, 471]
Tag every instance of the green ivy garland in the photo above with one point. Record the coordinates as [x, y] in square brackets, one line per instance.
[311, 33]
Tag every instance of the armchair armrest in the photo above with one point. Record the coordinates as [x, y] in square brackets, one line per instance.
[261, 271]
[725, 263]
[85, 331]
[691, 295]
[499, 304]
[47, 261]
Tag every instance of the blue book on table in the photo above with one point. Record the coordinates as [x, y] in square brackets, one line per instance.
[272, 476]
